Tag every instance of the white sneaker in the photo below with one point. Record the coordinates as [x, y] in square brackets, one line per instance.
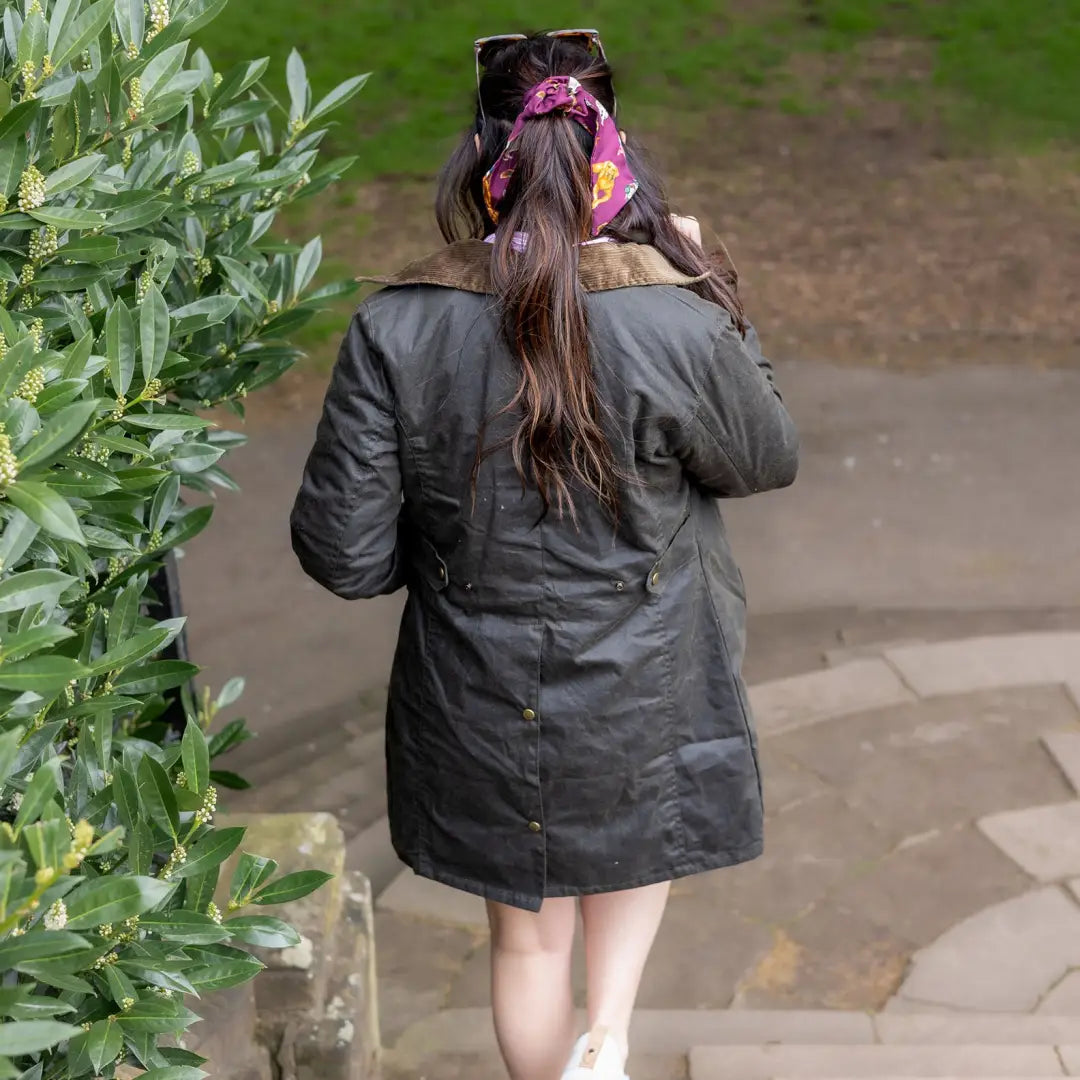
[596, 1056]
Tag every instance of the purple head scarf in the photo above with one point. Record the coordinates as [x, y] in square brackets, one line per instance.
[613, 183]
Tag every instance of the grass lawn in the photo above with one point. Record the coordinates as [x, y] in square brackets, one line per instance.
[1007, 69]
[1003, 74]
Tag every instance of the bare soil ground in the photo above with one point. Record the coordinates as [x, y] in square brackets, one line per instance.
[863, 234]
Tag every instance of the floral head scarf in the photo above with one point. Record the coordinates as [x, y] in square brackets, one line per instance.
[613, 183]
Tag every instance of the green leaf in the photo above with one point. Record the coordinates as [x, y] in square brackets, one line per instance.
[46, 783]
[75, 37]
[159, 1017]
[161, 69]
[156, 792]
[212, 850]
[190, 524]
[127, 798]
[194, 457]
[31, 1007]
[164, 502]
[120, 986]
[338, 96]
[104, 1042]
[120, 346]
[167, 421]
[19, 119]
[51, 511]
[173, 1072]
[226, 779]
[131, 650]
[33, 1036]
[199, 890]
[40, 945]
[125, 612]
[113, 899]
[199, 314]
[33, 587]
[9, 750]
[299, 90]
[141, 848]
[307, 262]
[223, 974]
[243, 278]
[262, 930]
[156, 676]
[18, 535]
[90, 249]
[15, 363]
[62, 429]
[42, 674]
[72, 175]
[126, 218]
[77, 356]
[242, 114]
[196, 757]
[60, 18]
[68, 217]
[28, 642]
[33, 40]
[12, 162]
[188, 927]
[292, 886]
[153, 332]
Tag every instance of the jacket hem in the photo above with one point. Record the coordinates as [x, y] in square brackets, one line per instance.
[528, 902]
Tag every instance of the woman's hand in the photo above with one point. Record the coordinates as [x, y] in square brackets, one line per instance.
[688, 226]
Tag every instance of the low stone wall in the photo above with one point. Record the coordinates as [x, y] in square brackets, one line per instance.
[312, 1014]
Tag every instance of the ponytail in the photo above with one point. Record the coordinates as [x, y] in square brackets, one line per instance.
[560, 439]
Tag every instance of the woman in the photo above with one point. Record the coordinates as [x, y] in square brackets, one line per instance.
[531, 435]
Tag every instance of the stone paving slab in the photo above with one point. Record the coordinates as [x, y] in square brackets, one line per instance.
[787, 704]
[1064, 748]
[489, 1066]
[868, 651]
[976, 1029]
[1063, 1000]
[1074, 888]
[959, 667]
[656, 1031]
[411, 894]
[1044, 840]
[1003, 959]
[939, 764]
[859, 1062]
[1070, 1058]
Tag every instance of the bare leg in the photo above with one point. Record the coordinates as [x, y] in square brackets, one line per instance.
[530, 986]
[620, 928]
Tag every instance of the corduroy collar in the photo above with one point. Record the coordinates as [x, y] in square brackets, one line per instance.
[466, 265]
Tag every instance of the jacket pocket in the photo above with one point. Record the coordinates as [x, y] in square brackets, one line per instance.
[429, 566]
[676, 554]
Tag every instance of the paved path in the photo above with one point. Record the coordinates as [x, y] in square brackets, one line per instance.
[922, 861]
[922, 813]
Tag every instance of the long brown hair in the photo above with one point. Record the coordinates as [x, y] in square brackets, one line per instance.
[561, 440]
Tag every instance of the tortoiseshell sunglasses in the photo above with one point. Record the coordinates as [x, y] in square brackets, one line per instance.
[485, 46]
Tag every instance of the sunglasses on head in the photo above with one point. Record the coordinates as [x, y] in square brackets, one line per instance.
[486, 47]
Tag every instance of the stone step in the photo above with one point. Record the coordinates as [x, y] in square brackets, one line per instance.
[489, 1066]
[810, 1062]
[672, 1031]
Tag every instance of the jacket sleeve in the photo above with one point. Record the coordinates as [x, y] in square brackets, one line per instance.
[345, 518]
[738, 439]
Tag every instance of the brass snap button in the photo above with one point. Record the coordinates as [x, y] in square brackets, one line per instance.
[655, 578]
[620, 585]
[442, 574]
[529, 714]
[535, 826]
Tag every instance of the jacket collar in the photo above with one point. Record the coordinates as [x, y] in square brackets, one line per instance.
[466, 265]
